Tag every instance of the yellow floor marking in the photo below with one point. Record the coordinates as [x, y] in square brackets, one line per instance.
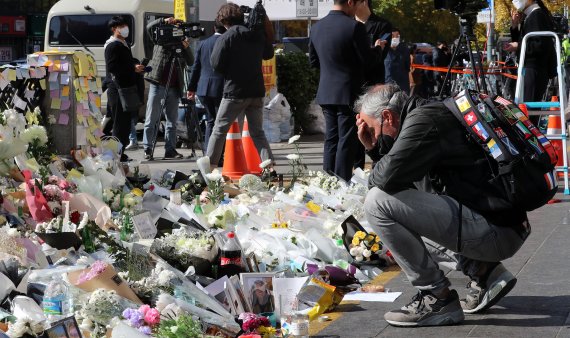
[388, 274]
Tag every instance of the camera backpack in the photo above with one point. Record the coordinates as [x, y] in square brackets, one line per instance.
[524, 158]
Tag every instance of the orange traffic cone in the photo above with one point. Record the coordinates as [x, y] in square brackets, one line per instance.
[251, 155]
[235, 165]
[555, 128]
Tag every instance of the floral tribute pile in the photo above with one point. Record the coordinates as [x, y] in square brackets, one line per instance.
[92, 245]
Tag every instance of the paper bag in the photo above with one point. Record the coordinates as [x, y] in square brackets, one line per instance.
[108, 279]
[36, 201]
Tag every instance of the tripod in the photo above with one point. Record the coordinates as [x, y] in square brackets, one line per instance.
[467, 36]
[174, 62]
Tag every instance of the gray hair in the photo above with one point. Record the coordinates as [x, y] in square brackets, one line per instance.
[380, 98]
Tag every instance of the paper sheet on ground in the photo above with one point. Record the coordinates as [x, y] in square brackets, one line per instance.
[388, 297]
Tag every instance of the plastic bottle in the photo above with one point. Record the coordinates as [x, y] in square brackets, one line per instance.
[300, 326]
[56, 304]
[230, 261]
[198, 208]
[341, 257]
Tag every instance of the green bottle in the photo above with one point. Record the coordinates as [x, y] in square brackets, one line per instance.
[87, 240]
[197, 208]
[127, 228]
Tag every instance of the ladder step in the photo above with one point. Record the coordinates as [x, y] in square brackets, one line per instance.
[542, 104]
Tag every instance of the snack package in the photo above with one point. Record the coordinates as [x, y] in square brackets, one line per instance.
[319, 296]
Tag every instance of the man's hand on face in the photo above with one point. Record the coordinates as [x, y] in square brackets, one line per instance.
[364, 134]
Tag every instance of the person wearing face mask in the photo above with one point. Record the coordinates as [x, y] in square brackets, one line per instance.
[339, 47]
[429, 194]
[540, 59]
[121, 73]
[397, 63]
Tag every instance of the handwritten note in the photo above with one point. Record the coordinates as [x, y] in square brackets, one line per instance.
[65, 91]
[55, 103]
[65, 104]
[53, 77]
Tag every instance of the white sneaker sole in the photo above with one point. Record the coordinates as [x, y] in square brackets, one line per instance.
[506, 282]
[436, 320]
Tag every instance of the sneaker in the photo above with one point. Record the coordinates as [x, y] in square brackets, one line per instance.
[480, 297]
[132, 146]
[147, 155]
[426, 309]
[173, 155]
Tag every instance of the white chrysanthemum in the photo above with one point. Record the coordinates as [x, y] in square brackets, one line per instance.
[367, 253]
[294, 139]
[214, 175]
[52, 119]
[265, 164]
[292, 157]
[34, 132]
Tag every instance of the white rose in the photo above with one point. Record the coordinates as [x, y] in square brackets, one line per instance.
[367, 253]
[358, 258]
[214, 175]
[354, 251]
[294, 139]
[265, 164]
[292, 157]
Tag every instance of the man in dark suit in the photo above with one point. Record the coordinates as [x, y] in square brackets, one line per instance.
[205, 82]
[340, 48]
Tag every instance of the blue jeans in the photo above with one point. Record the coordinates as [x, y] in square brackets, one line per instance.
[153, 114]
[211, 104]
[133, 134]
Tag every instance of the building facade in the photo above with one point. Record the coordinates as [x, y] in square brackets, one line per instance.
[22, 27]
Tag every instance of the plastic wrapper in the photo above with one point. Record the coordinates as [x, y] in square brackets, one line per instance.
[319, 296]
[90, 185]
[95, 208]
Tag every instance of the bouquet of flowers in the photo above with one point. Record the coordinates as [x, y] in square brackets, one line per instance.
[145, 319]
[365, 245]
[182, 326]
[150, 287]
[252, 323]
[118, 200]
[215, 187]
[98, 311]
[222, 216]
[184, 250]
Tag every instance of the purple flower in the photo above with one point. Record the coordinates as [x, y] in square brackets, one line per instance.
[127, 314]
[136, 319]
[146, 330]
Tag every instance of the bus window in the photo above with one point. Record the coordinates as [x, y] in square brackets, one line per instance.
[90, 30]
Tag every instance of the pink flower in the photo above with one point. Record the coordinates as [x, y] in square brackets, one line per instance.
[63, 185]
[152, 317]
[65, 196]
[144, 309]
[96, 269]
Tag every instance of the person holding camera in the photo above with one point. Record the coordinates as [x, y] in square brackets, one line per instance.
[166, 82]
[432, 184]
[121, 73]
[237, 55]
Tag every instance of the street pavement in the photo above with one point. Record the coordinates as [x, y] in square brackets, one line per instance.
[538, 306]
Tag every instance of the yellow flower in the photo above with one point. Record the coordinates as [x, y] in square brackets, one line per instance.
[360, 234]
[369, 238]
[377, 239]
[274, 225]
[355, 241]
[375, 248]
[266, 331]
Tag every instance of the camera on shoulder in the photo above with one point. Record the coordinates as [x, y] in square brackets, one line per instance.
[254, 18]
[173, 35]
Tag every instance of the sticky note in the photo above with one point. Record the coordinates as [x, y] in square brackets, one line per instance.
[12, 75]
[80, 119]
[64, 79]
[53, 77]
[43, 84]
[98, 101]
[65, 91]
[65, 66]
[54, 93]
[81, 136]
[55, 103]
[65, 104]
[98, 82]
[63, 119]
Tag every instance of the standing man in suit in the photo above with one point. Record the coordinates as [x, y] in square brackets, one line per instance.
[339, 46]
[206, 82]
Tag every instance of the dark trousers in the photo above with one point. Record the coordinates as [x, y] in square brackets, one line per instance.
[535, 83]
[211, 105]
[341, 141]
[121, 119]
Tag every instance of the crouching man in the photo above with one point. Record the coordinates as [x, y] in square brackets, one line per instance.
[429, 193]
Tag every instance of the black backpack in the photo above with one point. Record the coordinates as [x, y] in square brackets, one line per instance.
[525, 158]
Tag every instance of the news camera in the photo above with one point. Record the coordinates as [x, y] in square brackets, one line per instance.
[254, 18]
[173, 35]
[560, 23]
[461, 7]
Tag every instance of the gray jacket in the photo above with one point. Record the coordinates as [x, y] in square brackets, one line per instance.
[160, 57]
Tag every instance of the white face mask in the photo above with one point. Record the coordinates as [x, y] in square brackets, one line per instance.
[395, 42]
[124, 31]
[519, 4]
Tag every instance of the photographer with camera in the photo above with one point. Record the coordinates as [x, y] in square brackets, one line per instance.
[237, 56]
[121, 74]
[432, 182]
[167, 83]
